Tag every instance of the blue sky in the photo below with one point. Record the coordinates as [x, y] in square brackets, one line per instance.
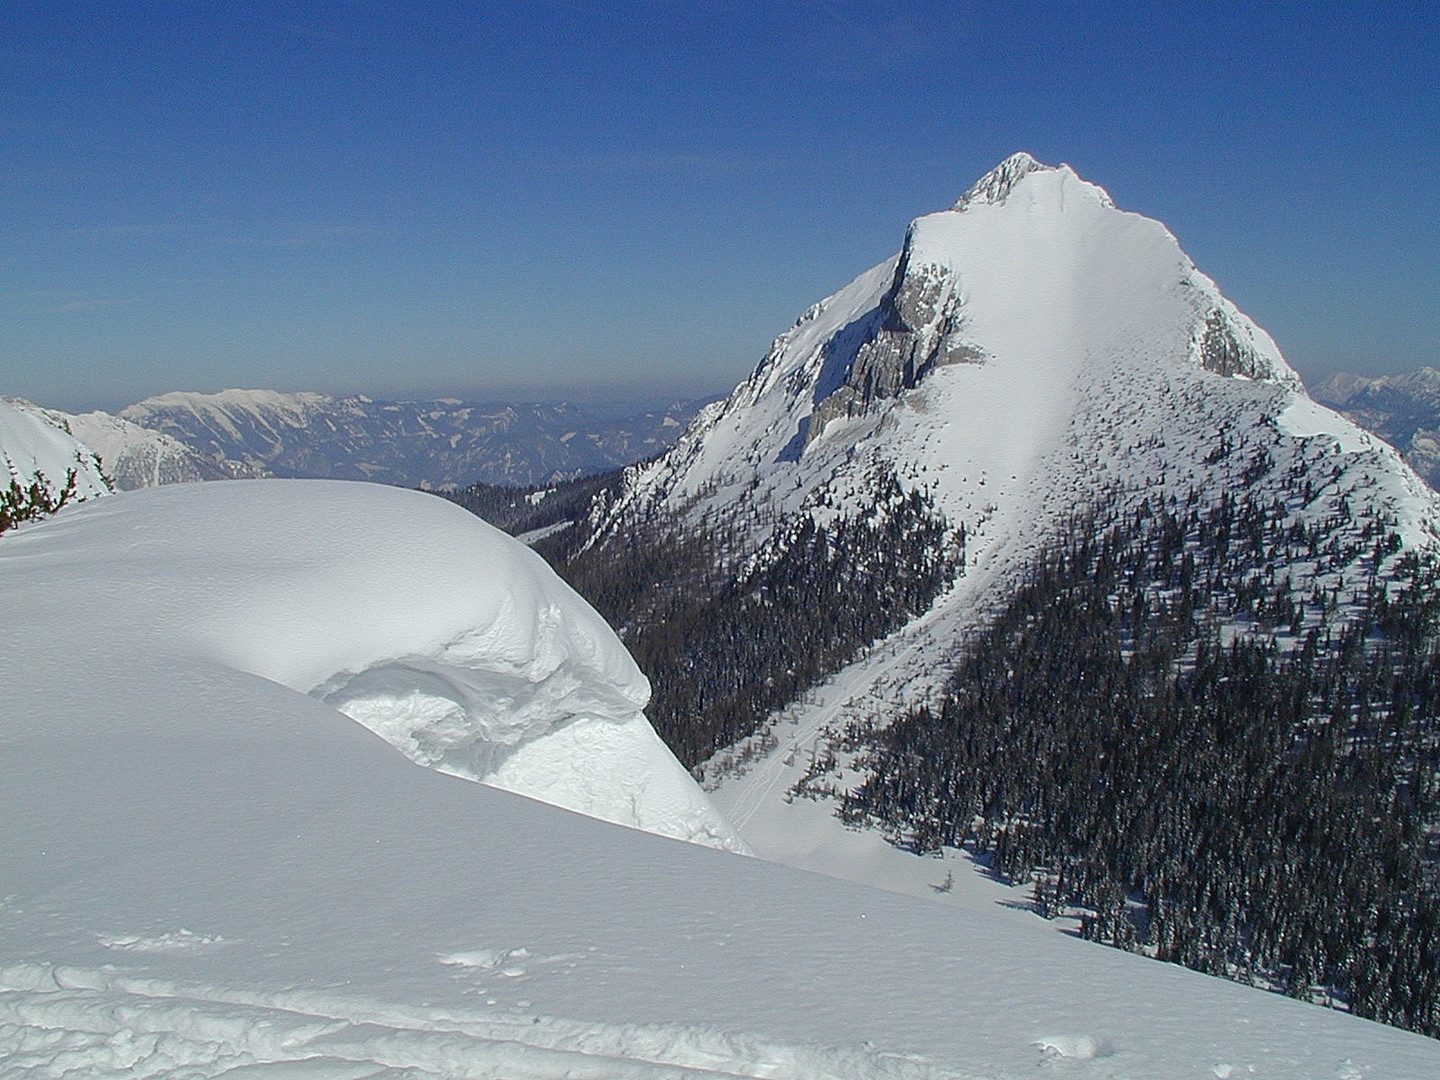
[491, 200]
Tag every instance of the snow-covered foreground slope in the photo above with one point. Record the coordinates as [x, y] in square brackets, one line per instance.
[443, 635]
[207, 873]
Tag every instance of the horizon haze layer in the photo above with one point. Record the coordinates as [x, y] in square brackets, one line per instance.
[491, 199]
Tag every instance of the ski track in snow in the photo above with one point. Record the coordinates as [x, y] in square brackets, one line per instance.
[59, 1022]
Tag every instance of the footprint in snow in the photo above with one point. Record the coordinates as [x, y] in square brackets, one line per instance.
[505, 962]
[1073, 1047]
[181, 940]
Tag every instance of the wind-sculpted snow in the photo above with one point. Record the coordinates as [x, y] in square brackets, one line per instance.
[441, 634]
[136, 1028]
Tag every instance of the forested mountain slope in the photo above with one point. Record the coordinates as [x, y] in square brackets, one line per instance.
[1036, 470]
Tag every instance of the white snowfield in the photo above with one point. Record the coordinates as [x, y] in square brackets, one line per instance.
[208, 871]
[31, 447]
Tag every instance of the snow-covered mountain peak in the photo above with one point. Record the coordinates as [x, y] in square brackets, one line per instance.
[996, 184]
[969, 352]
[132, 456]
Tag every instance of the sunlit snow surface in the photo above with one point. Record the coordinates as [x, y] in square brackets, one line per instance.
[206, 871]
[31, 448]
[451, 640]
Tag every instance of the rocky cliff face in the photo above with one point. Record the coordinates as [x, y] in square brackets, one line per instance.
[918, 326]
[1229, 349]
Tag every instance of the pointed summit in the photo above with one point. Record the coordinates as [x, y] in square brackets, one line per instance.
[995, 185]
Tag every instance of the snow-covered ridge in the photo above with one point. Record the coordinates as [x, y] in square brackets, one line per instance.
[182, 437]
[221, 409]
[970, 349]
[31, 448]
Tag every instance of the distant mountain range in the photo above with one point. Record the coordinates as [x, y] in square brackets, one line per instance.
[1404, 410]
[445, 443]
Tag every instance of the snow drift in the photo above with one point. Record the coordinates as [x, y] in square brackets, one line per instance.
[441, 634]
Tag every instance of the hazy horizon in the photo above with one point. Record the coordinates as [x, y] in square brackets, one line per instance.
[444, 198]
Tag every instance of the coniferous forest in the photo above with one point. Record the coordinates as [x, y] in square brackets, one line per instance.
[1261, 805]
[1205, 732]
[33, 501]
[519, 510]
[728, 637]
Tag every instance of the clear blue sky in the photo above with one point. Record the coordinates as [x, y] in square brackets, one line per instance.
[486, 199]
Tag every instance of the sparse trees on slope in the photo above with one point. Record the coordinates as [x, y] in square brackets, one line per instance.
[34, 500]
[1156, 735]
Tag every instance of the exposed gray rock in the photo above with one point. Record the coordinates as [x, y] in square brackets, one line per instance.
[1225, 350]
[995, 186]
[917, 327]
